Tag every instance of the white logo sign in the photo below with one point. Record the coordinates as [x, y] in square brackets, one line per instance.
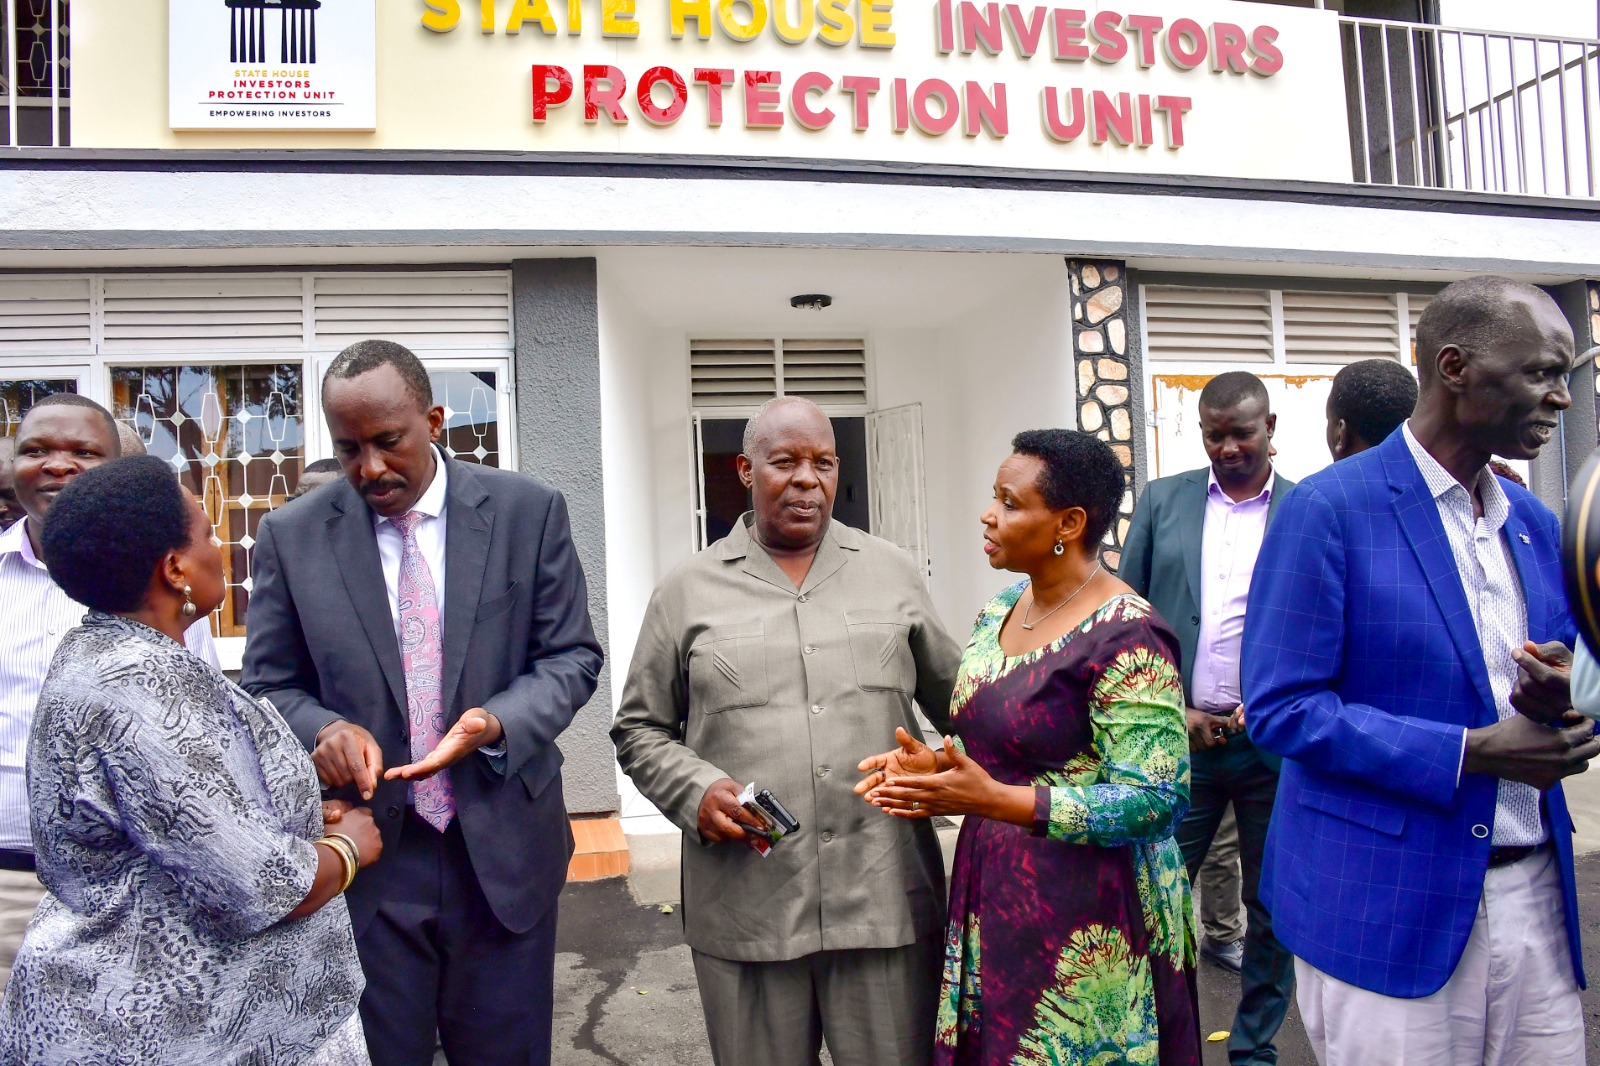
[272, 65]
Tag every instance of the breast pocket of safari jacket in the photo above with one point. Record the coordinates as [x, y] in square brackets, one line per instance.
[728, 669]
[880, 646]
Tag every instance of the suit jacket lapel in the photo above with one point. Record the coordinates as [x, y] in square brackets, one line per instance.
[354, 544]
[468, 526]
[1192, 516]
[1418, 515]
[1519, 541]
[1279, 487]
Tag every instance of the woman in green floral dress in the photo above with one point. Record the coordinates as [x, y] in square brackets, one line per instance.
[1071, 936]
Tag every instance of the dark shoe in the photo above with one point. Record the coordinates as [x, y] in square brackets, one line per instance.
[1228, 956]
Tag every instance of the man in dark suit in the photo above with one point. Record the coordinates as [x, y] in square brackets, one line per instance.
[1420, 861]
[1191, 551]
[424, 629]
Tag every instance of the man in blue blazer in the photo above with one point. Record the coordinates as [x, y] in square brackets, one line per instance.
[423, 626]
[1419, 863]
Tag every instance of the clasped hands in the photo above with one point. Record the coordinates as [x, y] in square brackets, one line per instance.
[1546, 740]
[347, 754]
[917, 781]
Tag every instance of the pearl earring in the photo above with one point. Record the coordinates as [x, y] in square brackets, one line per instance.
[188, 610]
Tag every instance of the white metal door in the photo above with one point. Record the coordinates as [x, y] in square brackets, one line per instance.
[895, 484]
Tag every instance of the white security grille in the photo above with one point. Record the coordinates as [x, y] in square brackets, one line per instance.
[745, 373]
[225, 312]
[1208, 325]
[417, 310]
[44, 315]
[1339, 327]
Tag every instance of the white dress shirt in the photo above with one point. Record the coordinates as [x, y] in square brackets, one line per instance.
[34, 615]
[430, 541]
[1230, 540]
[1499, 613]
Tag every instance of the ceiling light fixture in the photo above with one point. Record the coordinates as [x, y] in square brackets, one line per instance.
[811, 301]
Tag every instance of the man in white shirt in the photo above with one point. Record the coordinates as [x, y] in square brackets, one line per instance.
[61, 437]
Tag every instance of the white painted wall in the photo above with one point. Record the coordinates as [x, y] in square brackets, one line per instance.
[1563, 18]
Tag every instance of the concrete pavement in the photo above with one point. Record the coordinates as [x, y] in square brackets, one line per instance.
[625, 987]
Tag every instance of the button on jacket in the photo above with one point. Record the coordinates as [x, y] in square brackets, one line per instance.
[739, 674]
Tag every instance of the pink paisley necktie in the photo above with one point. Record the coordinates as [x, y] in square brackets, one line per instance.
[422, 658]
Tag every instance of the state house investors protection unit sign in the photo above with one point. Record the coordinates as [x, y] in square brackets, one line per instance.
[272, 64]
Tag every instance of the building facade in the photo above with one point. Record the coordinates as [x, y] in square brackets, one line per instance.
[609, 229]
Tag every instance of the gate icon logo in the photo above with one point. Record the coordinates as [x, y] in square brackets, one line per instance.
[297, 30]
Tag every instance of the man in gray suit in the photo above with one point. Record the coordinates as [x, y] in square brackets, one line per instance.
[1191, 551]
[424, 629]
[781, 656]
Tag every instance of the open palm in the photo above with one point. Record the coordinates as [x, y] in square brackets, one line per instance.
[911, 757]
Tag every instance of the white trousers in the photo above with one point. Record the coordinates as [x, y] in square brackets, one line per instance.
[1512, 1000]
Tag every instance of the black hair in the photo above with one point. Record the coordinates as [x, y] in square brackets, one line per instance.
[1232, 389]
[1373, 397]
[363, 356]
[1474, 313]
[1079, 471]
[110, 527]
[72, 399]
[323, 466]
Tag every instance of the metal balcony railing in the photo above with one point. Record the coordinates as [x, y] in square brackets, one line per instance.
[1477, 110]
[35, 73]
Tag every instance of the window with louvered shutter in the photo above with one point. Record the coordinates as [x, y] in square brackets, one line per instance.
[417, 310]
[732, 373]
[1415, 305]
[209, 313]
[827, 372]
[1339, 327]
[44, 315]
[1186, 324]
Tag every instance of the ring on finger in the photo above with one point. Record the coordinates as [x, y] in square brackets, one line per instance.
[916, 806]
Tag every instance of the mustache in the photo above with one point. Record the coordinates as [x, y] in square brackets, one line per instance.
[370, 488]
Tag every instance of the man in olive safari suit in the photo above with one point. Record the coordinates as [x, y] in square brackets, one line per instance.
[783, 655]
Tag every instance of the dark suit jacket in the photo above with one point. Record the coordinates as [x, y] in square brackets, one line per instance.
[1161, 556]
[517, 641]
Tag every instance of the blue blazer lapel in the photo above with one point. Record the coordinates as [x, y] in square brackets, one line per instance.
[468, 529]
[1418, 515]
[355, 545]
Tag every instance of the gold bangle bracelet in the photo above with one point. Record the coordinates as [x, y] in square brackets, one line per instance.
[346, 860]
[355, 851]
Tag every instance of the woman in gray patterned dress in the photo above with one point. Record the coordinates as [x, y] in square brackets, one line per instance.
[193, 916]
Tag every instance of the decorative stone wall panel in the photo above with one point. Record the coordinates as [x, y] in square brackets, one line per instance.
[1105, 376]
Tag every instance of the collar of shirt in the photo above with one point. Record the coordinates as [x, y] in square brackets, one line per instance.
[1214, 489]
[431, 502]
[15, 541]
[1496, 505]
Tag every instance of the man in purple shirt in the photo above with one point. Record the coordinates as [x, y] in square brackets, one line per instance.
[1191, 551]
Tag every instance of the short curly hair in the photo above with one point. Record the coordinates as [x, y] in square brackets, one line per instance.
[1373, 397]
[1079, 471]
[366, 355]
[109, 528]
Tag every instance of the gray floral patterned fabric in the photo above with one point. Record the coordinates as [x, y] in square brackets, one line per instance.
[172, 820]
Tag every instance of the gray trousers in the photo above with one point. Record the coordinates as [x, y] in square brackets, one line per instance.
[20, 893]
[874, 1007]
[1221, 910]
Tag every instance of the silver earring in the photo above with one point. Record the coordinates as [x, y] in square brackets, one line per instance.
[188, 610]
[1060, 548]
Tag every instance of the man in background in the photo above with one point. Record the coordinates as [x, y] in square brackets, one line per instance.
[11, 511]
[60, 437]
[317, 474]
[1369, 400]
[1191, 551]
